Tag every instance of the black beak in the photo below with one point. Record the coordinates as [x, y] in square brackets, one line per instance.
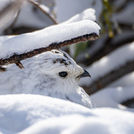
[85, 74]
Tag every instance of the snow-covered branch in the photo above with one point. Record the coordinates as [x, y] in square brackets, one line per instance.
[16, 58]
[108, 45]
[110, 77]
[54, 37]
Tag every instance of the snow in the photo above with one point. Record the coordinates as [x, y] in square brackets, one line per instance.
[33, 114]
[127, 80]
[78, 124]
[25, 110]
[37, 114]
[113, 96]
[88, 14]
[110, 62]
[4, 38]
[75, 7]
[45, 8]
[47, 36]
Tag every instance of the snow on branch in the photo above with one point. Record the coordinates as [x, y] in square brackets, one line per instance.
[110, 77]
[28, 45]
[17, 58]
[109, 45]
[111, 68]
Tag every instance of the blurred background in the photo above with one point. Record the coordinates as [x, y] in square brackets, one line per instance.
[109, 59]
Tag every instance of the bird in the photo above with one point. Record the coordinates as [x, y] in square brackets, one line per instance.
[53, 73]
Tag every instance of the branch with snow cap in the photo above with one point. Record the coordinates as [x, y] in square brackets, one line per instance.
[53, 37]
[112, 68]
[16, 58]
[110, 77]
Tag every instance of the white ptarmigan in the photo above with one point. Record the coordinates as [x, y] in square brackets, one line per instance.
[53, 73]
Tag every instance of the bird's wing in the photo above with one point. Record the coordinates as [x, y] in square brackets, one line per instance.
[81, 97]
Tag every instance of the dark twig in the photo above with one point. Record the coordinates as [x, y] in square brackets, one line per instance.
[109, 46]
[18, 57]
[128, 102]
[19, 64]
[2, 69]
[39, 7]
[110, 77]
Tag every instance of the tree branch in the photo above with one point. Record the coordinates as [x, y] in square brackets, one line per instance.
[128, 102]
[2, 69]
[18, 57]
[38, 6]
[110, 77]
[109, 46]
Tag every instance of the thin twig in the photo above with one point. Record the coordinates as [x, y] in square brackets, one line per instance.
[38, 6]
[2, 69]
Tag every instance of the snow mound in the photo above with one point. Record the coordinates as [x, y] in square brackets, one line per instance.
[18, 112]
[36, 114]
[106, 121]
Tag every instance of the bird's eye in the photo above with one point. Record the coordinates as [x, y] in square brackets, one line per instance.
[63, 74]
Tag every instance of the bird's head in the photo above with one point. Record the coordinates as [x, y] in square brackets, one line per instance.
[59, 73]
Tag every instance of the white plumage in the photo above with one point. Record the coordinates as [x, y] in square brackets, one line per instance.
[52, 73]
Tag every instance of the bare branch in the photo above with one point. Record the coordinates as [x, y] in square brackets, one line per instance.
[7, 14]
[128, 102]
[15, 58]
[110, 77]
[19, 64]
[110, 46]
[38, 6]
[2, 69]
